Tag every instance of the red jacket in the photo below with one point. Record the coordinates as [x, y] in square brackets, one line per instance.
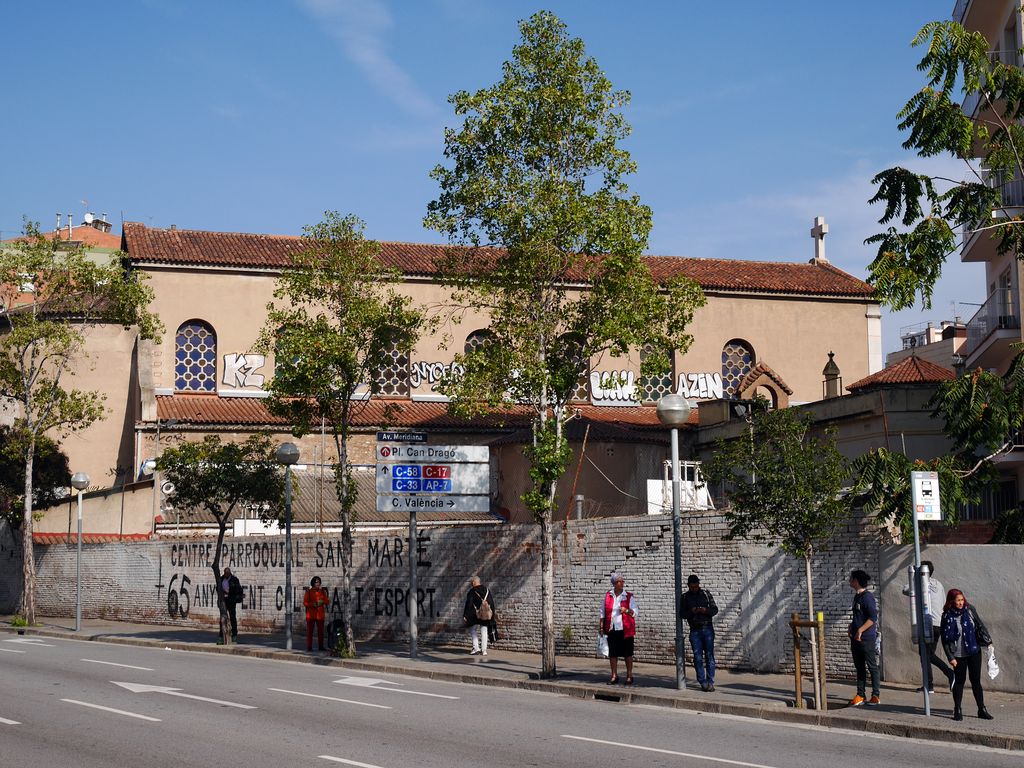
[315, 600]
[628, 622]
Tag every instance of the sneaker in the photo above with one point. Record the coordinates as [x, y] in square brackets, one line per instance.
[930, 690]
[856, 701]
[984, 714]
[474, 652]
[704, 687]
[874, 701]
[484, 653]
[711, 687]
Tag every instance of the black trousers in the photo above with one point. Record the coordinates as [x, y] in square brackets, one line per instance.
[865, 660]
[232, 606]
[971, 665]
[936, 660]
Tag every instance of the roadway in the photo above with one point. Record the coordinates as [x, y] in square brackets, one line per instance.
[84, 704]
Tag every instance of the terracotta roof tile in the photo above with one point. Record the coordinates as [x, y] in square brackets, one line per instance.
[40, 537]
[89, 236]
[236, 249]
[910, 370]
[210, 410]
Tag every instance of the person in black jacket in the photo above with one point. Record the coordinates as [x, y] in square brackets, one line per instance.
[479, 615]
[699, 609]
[963, 636]
[231, 588]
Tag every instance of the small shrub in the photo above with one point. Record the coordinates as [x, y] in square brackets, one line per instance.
[19, 621]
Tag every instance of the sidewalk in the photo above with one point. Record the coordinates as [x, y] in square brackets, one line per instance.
[763, 696]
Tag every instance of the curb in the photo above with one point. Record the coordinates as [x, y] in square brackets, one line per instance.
[773, 711]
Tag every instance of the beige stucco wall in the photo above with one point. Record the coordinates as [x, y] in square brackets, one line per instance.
[106, 511]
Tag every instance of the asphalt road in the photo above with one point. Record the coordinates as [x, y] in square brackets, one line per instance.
[74, 703]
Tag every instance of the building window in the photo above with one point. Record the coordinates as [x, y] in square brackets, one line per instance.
[653, 389]
[195, 357]
[476, 339]
[737, 361]
[393, 380]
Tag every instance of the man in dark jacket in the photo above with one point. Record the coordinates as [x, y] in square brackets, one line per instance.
[699, 609]
[231, 588]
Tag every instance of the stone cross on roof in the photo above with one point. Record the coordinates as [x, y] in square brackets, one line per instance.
[818, 232]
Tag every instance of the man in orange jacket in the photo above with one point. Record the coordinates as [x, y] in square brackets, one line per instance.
[315, 600]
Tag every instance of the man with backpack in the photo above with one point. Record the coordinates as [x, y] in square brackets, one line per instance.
[478, 614]
[699, 609]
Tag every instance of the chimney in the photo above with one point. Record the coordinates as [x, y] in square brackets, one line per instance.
[71, 227]
[174, 227]
[833, 382]
[57, 230]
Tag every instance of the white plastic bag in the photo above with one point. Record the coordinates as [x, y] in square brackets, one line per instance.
[602, 646]
[993, 665]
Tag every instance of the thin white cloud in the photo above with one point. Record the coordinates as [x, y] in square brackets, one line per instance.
[362, 26]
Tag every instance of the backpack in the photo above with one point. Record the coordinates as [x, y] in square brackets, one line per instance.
[484, 612]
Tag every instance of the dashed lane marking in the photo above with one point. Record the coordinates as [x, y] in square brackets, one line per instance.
[707, 758]
[330, 698]
[111, 709]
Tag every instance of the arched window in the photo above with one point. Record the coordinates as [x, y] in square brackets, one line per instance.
[654, 388]
[737, 361]
[477, 339]
[393, 380]
[195, 357]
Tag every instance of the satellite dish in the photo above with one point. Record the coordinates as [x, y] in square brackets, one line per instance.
[88, 218]
[167, 487]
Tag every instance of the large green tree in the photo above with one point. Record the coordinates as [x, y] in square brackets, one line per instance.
[534, 192]
[783, 484]
[218, 478]
[51, 477]
[54, 295]
[336, 323]
[923, 212]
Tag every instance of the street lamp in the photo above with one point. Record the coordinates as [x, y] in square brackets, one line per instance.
[674, 412]
[287, 454]
[79, 481]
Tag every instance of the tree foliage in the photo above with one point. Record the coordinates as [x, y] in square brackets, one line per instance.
[50, 475]
[534, 192]
[54, 294]
[218, 479]
[924, 211]
[980, 413]
[337, 322]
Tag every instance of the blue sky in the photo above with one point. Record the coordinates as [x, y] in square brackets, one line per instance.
[749, 118]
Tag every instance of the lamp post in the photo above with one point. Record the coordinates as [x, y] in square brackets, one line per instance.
[79, 481]
[673, 412]
[287, 454]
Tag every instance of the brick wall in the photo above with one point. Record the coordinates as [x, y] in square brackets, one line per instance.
[756, 587]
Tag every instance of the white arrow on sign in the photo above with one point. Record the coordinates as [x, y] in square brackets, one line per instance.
[433, 503]
[373, 682]
[138, 688]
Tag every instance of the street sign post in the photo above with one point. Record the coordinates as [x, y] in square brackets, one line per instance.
[412, 475]
[926, 505]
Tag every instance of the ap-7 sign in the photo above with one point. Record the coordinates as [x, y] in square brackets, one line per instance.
[433, 478]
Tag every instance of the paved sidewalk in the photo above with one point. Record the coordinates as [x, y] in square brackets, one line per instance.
[763, 696]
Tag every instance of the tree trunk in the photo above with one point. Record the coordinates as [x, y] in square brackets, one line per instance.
[222, 606]
[819, 704]
[346, 546]
[28, 561]
[547, 598]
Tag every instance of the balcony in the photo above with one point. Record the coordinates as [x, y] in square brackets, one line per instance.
[992, 331]
[981, 245]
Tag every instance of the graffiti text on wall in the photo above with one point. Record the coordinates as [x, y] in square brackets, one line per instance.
[240, 370]
[423, 372]
[701, 386]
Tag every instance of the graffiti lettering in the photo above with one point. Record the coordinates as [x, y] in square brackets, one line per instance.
[379, 556]
[613, 387]
[431, 373]
[178, 602]
[701, 386]
[240, 370]
[394, 601]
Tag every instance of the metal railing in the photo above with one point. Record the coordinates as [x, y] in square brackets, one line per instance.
[997, 313]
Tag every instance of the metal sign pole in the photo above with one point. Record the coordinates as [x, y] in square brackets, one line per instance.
[925, 505]
[413, 586]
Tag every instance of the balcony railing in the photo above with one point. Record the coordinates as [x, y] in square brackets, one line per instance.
[997, 313]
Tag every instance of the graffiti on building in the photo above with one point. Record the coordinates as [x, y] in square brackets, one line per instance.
[423, 372]
[240, 370]
[613, 388]
[701, 386]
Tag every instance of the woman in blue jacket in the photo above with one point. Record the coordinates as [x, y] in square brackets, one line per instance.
[963, 635]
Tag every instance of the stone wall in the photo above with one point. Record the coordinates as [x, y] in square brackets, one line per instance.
[756, 587]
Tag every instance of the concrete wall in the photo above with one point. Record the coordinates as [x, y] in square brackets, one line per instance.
[988, 574]
[106, 511]
[169, 582]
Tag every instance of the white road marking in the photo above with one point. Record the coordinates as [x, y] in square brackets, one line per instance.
[115, 664]
[138, 688]
[30, 641]
[348, 762]
[11, 650]
[111, 709]
[330, 698]
[375, 683]
[5, 721]
[667, 752]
